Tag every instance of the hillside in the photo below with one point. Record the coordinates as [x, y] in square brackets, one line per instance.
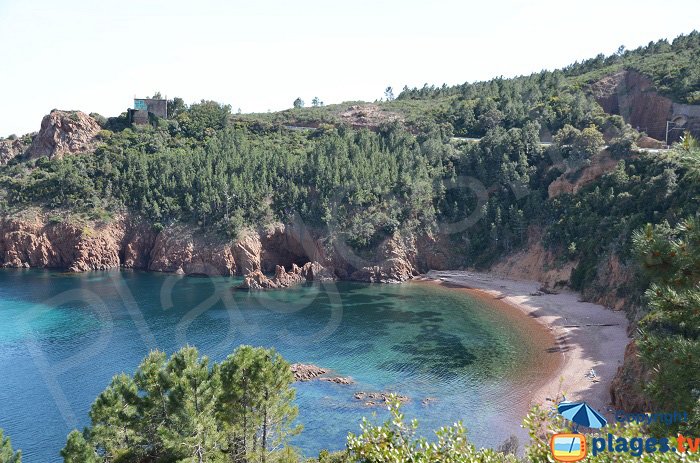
[374, 191]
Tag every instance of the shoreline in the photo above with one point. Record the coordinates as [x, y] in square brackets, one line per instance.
[587, 336]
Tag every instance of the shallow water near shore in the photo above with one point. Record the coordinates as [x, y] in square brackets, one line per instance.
[63, 336]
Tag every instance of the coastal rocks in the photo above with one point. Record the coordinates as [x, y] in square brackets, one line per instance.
[72, 246]
[257, 280]
[304, 372]
[289, 244]
[64, 132]
[626, 387]
[137, 245]
[311, 271]
[613, 281]
[396, 263]
[247, 251]
[59, 240]
[179, 249]
[437, 252]
[379, 398]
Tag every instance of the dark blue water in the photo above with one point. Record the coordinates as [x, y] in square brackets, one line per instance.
[63, 337]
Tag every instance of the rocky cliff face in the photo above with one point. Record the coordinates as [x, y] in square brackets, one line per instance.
[626, 388]
[62, 133]
[632, 96]
[294, 253]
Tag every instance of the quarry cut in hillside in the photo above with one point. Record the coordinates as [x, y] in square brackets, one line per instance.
[632, 95]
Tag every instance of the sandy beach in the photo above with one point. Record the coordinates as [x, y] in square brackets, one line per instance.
[589, 338]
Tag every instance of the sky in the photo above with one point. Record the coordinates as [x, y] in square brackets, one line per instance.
[260, 55]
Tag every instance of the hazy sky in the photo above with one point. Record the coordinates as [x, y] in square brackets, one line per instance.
[259, 55]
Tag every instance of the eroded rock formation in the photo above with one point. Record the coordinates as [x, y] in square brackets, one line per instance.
[62, 133]
[294, 254]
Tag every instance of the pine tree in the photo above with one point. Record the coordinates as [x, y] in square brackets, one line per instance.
[7, 455]
[77, 450]
[669, 338]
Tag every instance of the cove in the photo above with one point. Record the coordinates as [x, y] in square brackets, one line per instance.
[64, 335]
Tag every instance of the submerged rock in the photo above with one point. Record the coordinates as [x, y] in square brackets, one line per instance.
[379, 398]
[337, 380]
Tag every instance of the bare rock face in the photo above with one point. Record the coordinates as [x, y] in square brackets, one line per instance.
[632, 96]
[626, 387]
[572, 182]
[130, 242]
[535, 262]
[59, 245]
[368, 115]
[10, 149]
[62, 133]
[179, 249]
[247, 252]
[137, 245]
[436, 252]
[396, 262]
[289, 244]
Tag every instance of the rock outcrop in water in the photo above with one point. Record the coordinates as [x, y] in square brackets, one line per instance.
[379, 398]
[303, 372]
[310, 271]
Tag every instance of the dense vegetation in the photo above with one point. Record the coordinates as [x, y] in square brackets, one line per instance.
[552, 98]
[670, 334]
[182, 409]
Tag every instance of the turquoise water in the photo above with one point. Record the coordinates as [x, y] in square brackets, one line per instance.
[63, 336]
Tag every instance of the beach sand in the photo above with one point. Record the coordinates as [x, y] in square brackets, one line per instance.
[585, 336]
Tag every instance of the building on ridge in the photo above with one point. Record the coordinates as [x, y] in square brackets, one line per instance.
[139, 114]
